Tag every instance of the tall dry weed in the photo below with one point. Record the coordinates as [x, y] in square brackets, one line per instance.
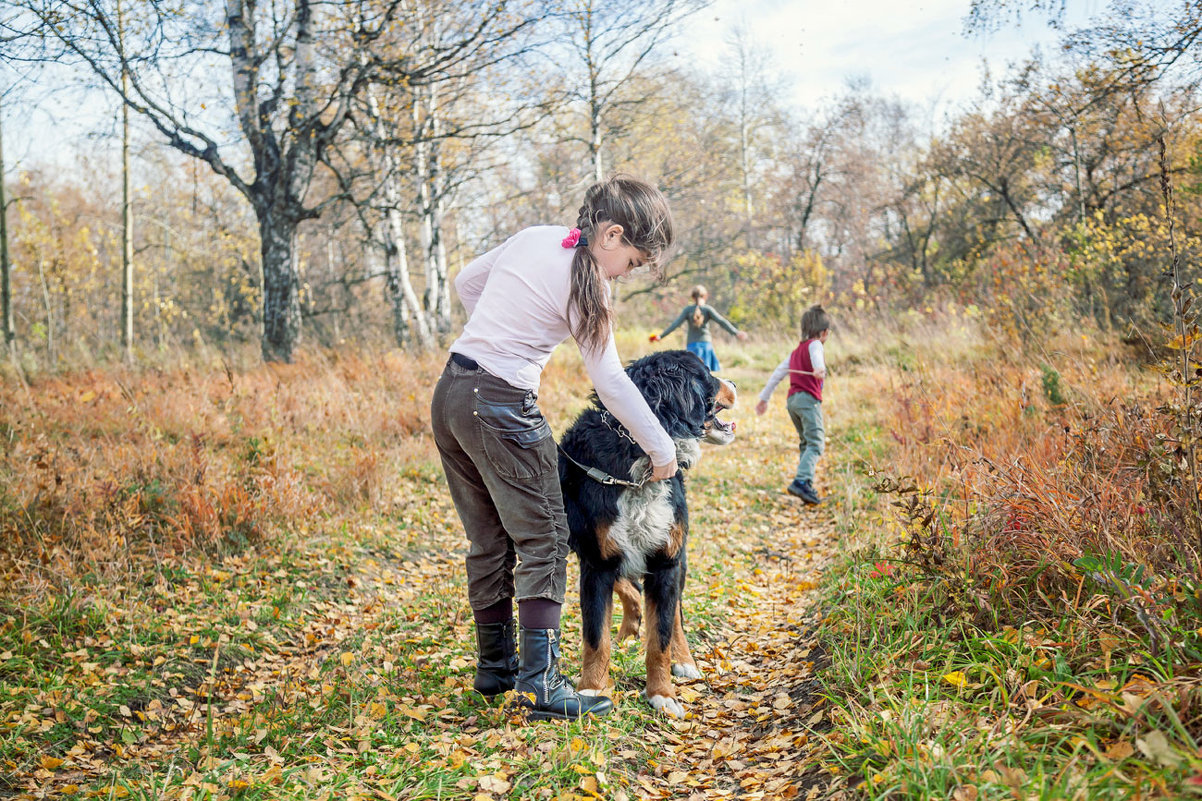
[1033, 492]
[109, 472]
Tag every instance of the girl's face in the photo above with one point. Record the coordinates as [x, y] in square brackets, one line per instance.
[616, 257]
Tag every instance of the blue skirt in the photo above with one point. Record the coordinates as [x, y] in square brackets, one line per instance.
[705, 352]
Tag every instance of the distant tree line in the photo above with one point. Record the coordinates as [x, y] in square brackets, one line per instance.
[326, 167]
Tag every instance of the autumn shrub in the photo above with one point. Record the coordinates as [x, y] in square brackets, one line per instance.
[1116, 268]
[1037, 494]
[773, 292]
[1020, 289]
[111, 471]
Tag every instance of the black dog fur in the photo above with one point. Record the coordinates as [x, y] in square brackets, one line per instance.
[623, 535]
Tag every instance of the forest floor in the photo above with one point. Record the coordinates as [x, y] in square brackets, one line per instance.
[335, 659]
[247, 583]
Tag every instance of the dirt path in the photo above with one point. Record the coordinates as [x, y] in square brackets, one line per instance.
[748, 734]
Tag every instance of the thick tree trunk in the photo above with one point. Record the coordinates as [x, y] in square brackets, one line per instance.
[281, 304]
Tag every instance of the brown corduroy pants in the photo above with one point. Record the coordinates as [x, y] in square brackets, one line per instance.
[502, 469]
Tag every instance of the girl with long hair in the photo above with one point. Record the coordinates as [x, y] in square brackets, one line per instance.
[698, 340]
[523, 298]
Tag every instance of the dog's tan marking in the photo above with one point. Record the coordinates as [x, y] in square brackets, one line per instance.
[594, 671]
[675, 540]
[726, 395]
[659, 659]
[632, 608]
[605, 544]
[680, 646]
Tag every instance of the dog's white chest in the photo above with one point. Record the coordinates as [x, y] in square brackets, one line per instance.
[643, 526]
[645, 516]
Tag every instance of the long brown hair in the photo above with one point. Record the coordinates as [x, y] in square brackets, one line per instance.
[646, 222]
[698, 293]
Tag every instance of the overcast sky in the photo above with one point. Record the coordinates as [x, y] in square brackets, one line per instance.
[915, 49]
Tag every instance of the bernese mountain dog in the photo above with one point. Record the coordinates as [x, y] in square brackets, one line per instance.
[627, 532]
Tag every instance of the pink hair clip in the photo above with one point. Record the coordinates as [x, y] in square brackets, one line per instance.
[571, 240]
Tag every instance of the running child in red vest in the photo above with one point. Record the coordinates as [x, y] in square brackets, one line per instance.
[806, 369]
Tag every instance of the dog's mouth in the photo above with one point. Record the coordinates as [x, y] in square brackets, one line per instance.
[713, 422]
[718, 430]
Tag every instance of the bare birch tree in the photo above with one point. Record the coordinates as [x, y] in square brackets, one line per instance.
[422, 139]
[611, 43]
[296, 70]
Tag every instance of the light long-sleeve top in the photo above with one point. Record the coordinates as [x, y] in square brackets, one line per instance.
[700, 333]
[817, 361]
[516, 296]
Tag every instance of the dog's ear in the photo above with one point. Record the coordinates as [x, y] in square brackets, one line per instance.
[673, 392]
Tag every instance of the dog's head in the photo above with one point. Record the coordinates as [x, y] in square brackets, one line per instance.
[685, 396]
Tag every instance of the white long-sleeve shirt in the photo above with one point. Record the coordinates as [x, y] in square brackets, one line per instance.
[816, 360]
[516, 296]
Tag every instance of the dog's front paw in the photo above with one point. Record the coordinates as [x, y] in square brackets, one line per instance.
[669, 706]
[683, 671]
[589, 693]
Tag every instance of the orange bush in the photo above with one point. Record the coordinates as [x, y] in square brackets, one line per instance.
[101, 470]
[1038, 510]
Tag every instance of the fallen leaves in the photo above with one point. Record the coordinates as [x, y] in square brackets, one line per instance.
[956, 678]
[342, 656]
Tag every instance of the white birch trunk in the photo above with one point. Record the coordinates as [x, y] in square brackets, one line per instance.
[405, 305]
[406, 309]
[431, 189]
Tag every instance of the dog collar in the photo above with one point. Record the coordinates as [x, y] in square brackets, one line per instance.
[616, 427]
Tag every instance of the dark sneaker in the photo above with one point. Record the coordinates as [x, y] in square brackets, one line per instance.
[805, 491]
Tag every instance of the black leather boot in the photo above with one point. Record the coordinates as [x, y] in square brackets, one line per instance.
[497, 665]
[545, 693]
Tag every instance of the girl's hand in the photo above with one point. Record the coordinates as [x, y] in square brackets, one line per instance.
[742, 335]
[761, 407]
[663, 473]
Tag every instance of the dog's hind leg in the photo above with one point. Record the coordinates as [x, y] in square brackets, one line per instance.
[683, 664]
[632, 608]
[596, 613]
[661, 593]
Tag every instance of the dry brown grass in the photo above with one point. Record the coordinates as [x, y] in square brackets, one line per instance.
[1032, 466]
[106, 472]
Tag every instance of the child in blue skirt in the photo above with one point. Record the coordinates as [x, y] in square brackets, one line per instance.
[699, 316]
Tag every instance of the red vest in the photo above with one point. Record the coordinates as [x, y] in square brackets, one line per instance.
[800, 360]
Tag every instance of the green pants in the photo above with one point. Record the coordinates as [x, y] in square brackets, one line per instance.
[806, 413]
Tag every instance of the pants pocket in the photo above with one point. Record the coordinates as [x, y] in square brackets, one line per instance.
[516, 438]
